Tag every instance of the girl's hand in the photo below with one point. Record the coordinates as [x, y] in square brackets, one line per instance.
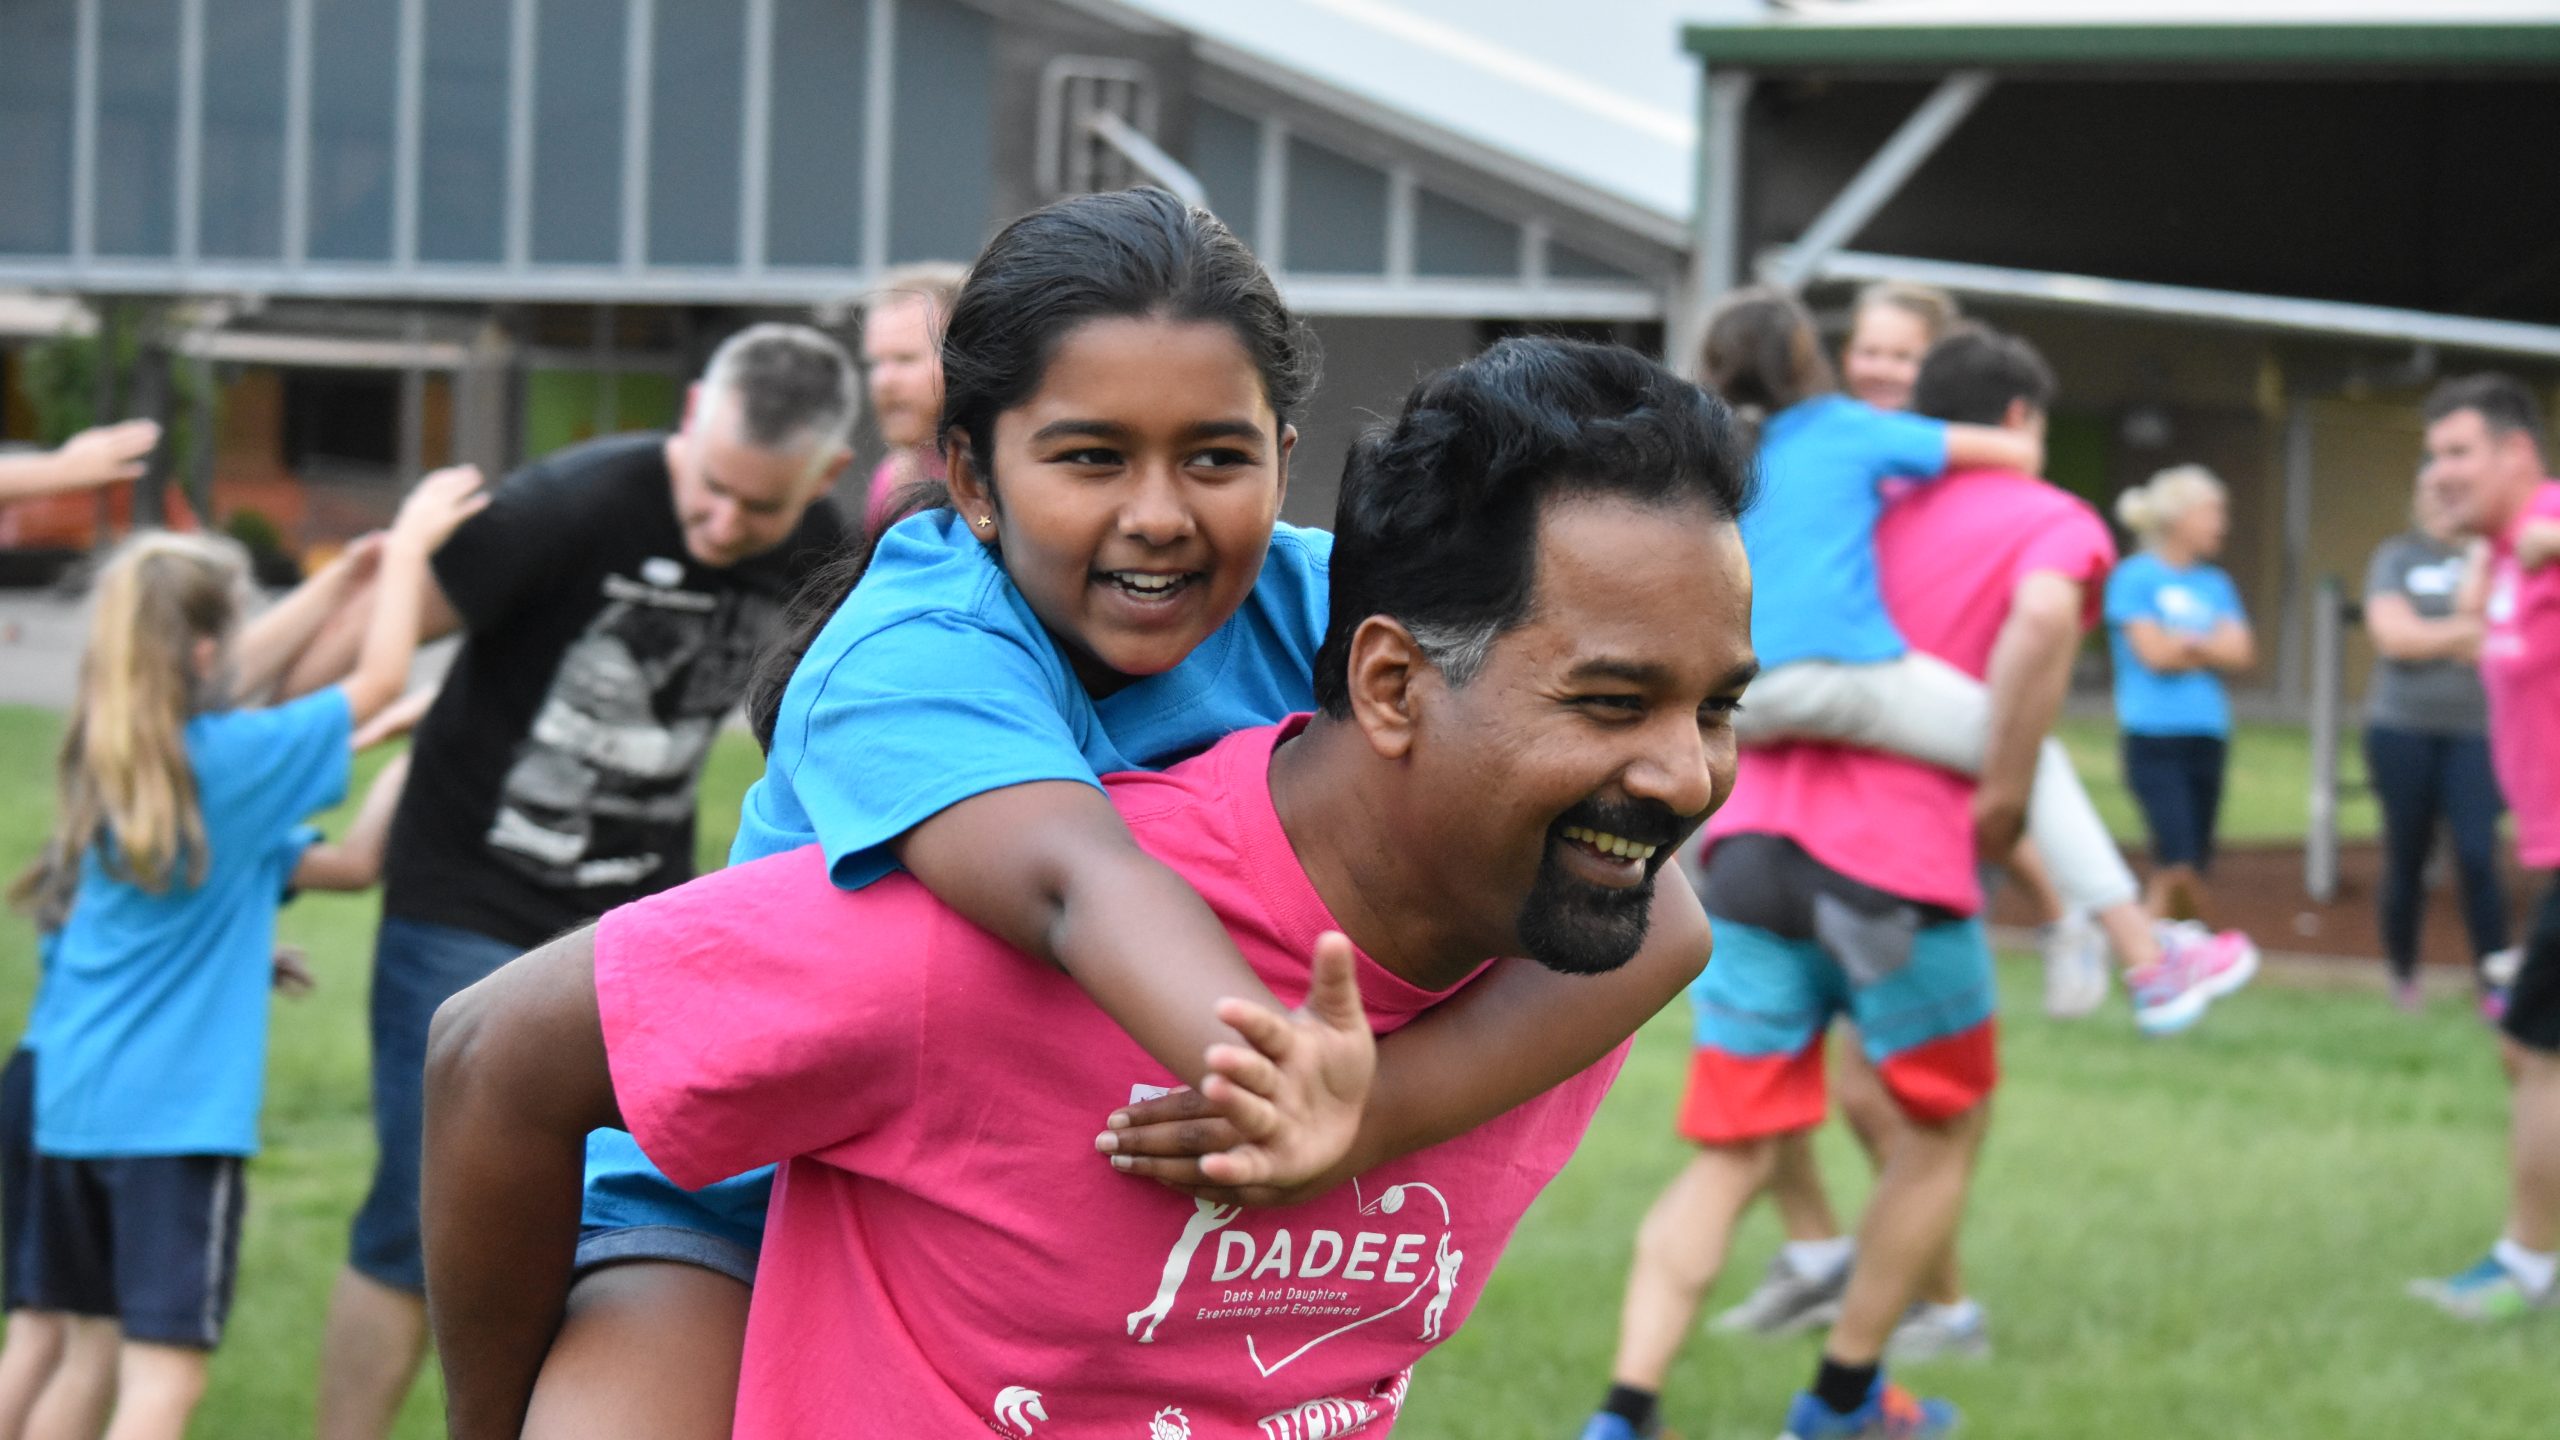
[357, 563]
[396, 719]
[1275, 1119]
[438, 507]
[108, 454]
[293, 975]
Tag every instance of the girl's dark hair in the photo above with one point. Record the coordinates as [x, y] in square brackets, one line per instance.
[1763, 355]
[1129, 253]
[1437, 527]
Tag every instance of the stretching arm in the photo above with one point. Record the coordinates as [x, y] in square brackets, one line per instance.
[442, 501]
[105, 455]
[1994, 446]
[2030, 672]
[270, 644]
[353, 861]
[516, 1077]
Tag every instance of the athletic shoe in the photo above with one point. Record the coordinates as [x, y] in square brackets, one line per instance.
[2493, 1005]
[2405, 997]
[1940, 1332]
[1891, 1413]
[2486, 1291]
[1605, 1426]
[2195, 968]
[2223, 960]
[2499, 968]
[2075, 965]
[1786, 1303]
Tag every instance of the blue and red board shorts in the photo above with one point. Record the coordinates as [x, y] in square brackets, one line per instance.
[1924, 1014]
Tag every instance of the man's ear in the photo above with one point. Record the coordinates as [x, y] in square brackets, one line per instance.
[692, 406]
[1386, 668]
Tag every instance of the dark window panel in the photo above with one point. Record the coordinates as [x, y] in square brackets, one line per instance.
[1451, 240]
[355, 89]
[577, 132]
[1226, 153]
[39, 40]
[813, 186]
[697, 57]
[1337, 214]
[1566, 263]
[943, 169]
[138, 128]
[241, 200]
[462, 142]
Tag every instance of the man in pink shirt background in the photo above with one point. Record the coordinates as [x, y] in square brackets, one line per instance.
[2485, 465]
[1997, 573]
[1536, 646]
[902, 366]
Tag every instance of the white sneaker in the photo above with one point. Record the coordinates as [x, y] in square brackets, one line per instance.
[2075, 965]
[1940, 1332]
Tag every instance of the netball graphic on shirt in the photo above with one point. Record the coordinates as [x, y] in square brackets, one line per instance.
[1291, 1287]
[601, 790]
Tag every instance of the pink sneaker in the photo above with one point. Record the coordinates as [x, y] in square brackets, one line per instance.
[2196, 968]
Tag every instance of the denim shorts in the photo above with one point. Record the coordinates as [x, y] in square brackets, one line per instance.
[416, 967]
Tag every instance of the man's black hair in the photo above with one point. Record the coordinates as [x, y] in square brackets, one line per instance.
[2501, 400]
[1973, 376]
[1437, 526]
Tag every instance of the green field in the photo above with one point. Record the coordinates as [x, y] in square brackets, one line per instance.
[2200, 1238]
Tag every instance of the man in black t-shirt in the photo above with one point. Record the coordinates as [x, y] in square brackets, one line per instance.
[612, 600]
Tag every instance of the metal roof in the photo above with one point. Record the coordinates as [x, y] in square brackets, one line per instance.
[1938, 33]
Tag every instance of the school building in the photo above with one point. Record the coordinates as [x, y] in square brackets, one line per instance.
[347, 240]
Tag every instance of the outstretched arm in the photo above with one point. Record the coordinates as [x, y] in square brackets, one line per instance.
[270, 644]
[2538, 544]
[1051, 869]
[516, 1077]
[104, 455]
[353, 861]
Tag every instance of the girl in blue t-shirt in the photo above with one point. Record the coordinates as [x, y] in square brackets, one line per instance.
[1109, 588]
[178, 830]
[2176, 627]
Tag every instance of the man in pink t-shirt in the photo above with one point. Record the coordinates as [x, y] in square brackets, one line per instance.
[1842, 883]
[2485, 466]
[1537, 642]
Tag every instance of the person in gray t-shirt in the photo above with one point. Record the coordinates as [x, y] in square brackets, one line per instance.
[2426, 741]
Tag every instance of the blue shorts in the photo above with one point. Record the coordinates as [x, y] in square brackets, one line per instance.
[632, 1212]
[416, 967]
[150, 1241]
[2177, 779]
[17, 1171]
[1765, 1001]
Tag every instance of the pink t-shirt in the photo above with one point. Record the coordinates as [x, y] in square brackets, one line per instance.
[1952, 556]
[2520, 668]
[945, 1251]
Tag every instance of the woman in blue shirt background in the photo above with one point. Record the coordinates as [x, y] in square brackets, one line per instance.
[2176, 627]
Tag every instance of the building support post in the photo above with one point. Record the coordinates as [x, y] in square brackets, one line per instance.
[1715, 221]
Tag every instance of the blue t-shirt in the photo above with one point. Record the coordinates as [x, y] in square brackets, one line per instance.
[153, 1017]
[934, 682]
[2189, 601]
[1811, 531]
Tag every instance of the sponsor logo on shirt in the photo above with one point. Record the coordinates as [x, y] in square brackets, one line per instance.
[1017, 1406]
[1169, 1424]
[2184, 608]
[1286, 1280]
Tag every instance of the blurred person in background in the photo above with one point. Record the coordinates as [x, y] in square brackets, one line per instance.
[2485, 467]
[613, 601]
[902, 365]
[2426, 742]
[2177, 628]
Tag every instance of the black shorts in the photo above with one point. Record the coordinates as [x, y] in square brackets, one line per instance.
[2533, 1006]
[2177, 780]
[17, 1171]
[150, 1241]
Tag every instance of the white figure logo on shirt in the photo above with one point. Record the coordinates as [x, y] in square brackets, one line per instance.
[1169, 1424]
[2184, 608]
[1319, 1420]
[1017, 1406]
[1445, 1266]
[1206, 1217]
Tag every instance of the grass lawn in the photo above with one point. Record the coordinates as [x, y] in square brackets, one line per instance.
[2198, 1238]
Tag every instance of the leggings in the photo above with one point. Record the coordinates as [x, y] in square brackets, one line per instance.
[2420, 779]
[1923, 707]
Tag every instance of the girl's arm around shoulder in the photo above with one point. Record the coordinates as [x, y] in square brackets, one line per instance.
[1050, 869]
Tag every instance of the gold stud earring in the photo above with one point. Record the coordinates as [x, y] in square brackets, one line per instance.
[985, 521]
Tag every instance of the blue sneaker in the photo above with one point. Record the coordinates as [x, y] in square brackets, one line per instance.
[2486, 1291]
[1891, 1413]
[1605, 1426]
